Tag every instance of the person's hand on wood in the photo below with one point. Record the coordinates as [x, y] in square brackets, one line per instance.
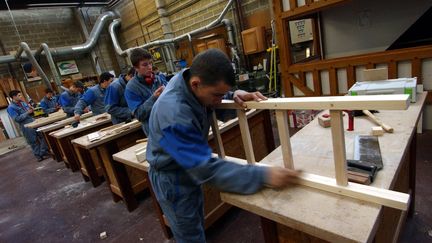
[30, 111]
[240, 96]
[158, 91]
[278, 177]
[77, 117]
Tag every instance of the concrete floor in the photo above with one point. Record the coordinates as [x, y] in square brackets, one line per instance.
[45, 202]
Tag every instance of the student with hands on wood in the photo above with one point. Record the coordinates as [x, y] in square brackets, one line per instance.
[178, 152]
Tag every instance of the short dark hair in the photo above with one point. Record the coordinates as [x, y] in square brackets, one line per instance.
[48, 90]
[213, 66]
[14, 93]
[78, 84]
[139, 54]
[131, 71]
[105, 76]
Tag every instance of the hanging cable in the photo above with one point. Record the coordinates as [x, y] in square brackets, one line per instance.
[13, 21]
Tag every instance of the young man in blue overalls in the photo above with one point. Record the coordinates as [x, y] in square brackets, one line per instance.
[21, 113]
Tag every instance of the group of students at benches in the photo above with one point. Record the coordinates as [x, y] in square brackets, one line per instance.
[176, 118]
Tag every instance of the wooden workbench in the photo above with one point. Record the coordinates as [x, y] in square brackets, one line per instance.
[53, 117]
[214, 208]
[95, 157]
[303, 214]
[64, 137]
[51, 141]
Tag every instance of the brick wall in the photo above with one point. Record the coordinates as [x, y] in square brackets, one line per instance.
[140, 23]
[58, 28]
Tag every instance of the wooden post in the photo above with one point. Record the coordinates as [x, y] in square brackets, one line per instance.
[338, 139]
[246, 138]
[284, 137]
[216, 135]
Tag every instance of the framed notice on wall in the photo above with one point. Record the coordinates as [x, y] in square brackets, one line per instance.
[67, 67]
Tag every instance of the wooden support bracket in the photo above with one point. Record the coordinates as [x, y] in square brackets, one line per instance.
[246, 138]
[284, 137]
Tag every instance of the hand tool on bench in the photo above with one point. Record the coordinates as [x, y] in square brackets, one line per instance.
[367, 160]
[386, 127]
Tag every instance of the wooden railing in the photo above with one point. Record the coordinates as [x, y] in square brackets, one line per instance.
[295, 75]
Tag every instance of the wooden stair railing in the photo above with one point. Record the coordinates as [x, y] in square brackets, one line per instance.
[295, 74]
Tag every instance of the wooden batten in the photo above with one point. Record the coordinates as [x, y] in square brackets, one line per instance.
[284, 137]
[216, 135]
[246, 138]
[361, 102]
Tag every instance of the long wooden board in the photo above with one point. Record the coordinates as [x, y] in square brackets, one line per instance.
[361, 102]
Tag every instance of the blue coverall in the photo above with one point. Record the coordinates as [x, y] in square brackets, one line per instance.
[115, 101]
[140, 99]
[68, 100]
[18, 112]
[93, 97]
[180, 161]
[48, 105]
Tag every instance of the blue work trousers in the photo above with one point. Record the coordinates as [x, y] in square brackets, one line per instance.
[182, 204]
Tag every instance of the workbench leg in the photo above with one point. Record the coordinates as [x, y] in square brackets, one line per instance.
[69, 153]
[269, 229]
[87, 162]
[121, 175]
[412, 173]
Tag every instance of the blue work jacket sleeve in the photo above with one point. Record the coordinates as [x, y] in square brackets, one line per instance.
[87, 99]
[140, 106]
[191, 151]
[45, 107]
[66, 103]
[112, 103]
[16, 116]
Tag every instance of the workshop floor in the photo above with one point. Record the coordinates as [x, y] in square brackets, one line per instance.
[45, 202]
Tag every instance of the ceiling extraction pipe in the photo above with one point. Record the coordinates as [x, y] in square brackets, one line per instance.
[44, 48]
[76, 49]
[211, 25]
[91, 40]
[25, 48]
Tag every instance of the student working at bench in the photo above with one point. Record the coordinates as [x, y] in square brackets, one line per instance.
[179, 155]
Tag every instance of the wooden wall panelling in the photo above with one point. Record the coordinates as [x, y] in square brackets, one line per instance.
[392, 69]
[334, 87]
[416, 70]
[351, 77]
[317, 82]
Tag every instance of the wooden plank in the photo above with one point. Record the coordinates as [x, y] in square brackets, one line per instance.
[216, 135]
[317, 82]
[300, 85]
[246, 138]
[351, 78]
[416, 70]
[389, 198]
[284, 137]
[368, 102]
[392, 70]
[334, 87]
[370, 65]
[375, 74]
[293, 4]
[339, 153]
[309, 9]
